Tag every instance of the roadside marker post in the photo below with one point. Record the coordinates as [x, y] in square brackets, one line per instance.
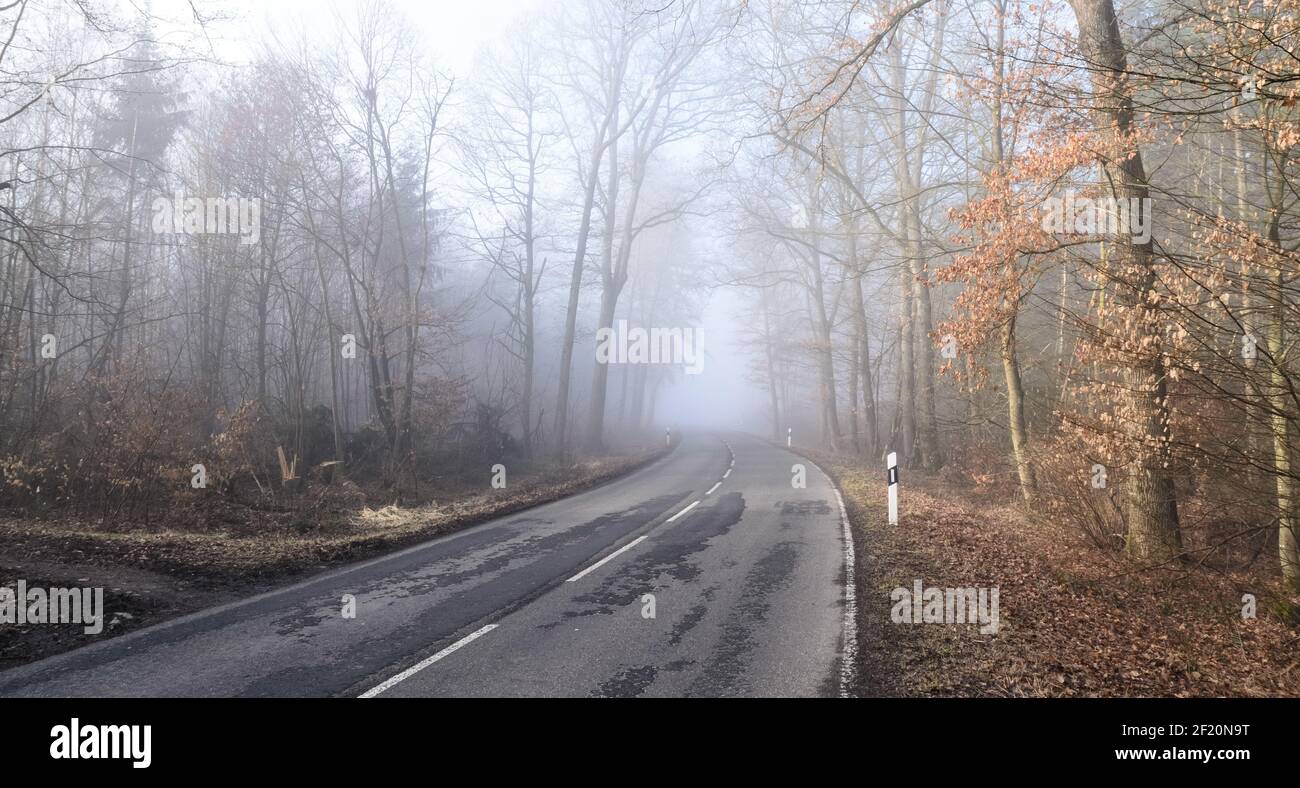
[789, 436]
[668, 436]
[892, 463]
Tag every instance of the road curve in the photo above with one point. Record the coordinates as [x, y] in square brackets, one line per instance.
[706, 573]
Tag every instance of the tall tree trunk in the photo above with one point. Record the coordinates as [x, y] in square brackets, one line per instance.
[906, 372]
[1150, 501]
[909, 171]
[530, 362]
[607, 134]
[822, 325]
[1010, 360]
[571, 311]
[928, 421]
[770, 358]
[1280, 422]
[113, 343]
[855, 355]
[868, 381]
[609, 292]
[1016, 411]
[1281, 428]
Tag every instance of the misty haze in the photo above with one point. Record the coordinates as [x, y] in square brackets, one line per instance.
[607, 348]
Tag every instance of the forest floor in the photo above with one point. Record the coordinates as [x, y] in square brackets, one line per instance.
[1075, 619]
[197, 557]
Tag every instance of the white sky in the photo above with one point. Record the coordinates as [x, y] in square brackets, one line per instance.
[455, 29]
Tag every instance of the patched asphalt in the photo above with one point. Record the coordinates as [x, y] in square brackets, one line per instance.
[747, 591]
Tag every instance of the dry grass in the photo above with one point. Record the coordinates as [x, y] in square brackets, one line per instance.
[155, 572]
[254, 547]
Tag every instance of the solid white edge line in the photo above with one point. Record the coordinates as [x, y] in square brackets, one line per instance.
[728, 473]
[684, 511]
[850, 626]
[609, 557]
[421, 665]
[714, 487]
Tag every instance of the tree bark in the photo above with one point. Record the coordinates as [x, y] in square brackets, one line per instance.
[1150, 500]
[1016, 411]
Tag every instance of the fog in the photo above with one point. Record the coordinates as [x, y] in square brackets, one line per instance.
[847, 207]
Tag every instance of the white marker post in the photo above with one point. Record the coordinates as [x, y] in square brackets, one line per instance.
[892, 463]
[668, 436]
[789, 436]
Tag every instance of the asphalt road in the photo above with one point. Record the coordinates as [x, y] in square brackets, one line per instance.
[705, 573]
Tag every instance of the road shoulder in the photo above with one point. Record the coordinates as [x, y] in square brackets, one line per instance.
[152, 576]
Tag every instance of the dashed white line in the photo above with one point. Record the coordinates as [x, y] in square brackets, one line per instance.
[714, 487]
[684, 511]
[607, 558]
[627, 546]
[728, 473]
[419, 666]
